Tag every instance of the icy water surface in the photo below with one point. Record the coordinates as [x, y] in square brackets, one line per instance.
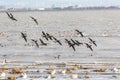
[103, 26]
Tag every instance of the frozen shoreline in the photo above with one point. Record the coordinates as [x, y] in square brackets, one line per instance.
[31, 69]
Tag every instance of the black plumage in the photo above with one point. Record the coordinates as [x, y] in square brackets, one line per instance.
[58, 57]
[70, 44]
[44, 35]
[11, 16]
[49, 36]
[58, 41]
[76, 42]
[73, 41]
[92, 41]
[24, 36]
[79, 32]
[89, 46]
[35, 41]
[43, 43]
[35, 20]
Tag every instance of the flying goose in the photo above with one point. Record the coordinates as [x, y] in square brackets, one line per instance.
[89, 46]
[49, 36]
[70, 44]
[44, 35]
[79, 32]
[78, 43]
[35, 41]
[58, 41]
[35, 20]
[24, 36]
[11, 16]
[92, 41]
[43, 43]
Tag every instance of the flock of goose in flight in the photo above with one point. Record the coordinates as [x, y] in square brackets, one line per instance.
[71, 42]
[10, 15]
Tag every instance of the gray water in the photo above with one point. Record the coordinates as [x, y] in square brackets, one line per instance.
[100, 25]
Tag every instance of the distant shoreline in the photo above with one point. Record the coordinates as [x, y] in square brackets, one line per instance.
[52, 10]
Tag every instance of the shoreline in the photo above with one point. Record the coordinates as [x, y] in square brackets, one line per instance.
[57, 10]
